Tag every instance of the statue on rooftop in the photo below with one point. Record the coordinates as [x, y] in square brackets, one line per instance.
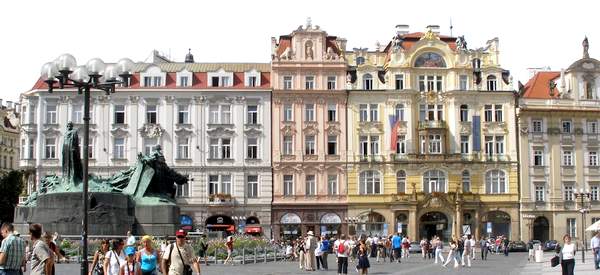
[586, 47]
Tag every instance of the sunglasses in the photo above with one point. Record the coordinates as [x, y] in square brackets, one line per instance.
[180, 237]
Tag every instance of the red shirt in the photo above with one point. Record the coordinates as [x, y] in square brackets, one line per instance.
[229, 245]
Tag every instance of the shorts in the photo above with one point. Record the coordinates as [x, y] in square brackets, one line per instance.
[531, 252]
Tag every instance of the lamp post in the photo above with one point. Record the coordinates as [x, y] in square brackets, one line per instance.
[529, 219]
[582, 194]
[96, 75]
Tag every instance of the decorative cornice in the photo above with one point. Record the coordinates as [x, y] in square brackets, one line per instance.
[151, 131]
[220, 131]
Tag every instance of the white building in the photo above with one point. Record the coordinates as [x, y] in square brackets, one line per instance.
[211, 120]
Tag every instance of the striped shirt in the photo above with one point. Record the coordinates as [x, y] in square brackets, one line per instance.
[14, 248]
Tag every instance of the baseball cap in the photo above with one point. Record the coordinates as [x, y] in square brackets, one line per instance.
[181, 233]
[130, 250]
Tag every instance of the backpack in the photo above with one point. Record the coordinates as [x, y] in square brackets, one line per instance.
[325, 245]
[341, 248]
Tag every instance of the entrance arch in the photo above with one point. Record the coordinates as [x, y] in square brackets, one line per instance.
[371, 224]
[435, 223]
[220, 223]
[541, 229]
[500, 223]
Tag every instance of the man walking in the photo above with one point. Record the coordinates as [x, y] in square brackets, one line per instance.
[595, 245]
[483, 245]
[310, 245]
[466, 255]
[342, 250]
[397, 246]
[41, 256]
[505, 246]
[12, 251]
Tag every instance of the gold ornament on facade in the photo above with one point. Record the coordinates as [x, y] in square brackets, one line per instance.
[429, 35]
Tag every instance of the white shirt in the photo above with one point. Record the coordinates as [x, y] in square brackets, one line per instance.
[114, 262]
[595, 243]
[568, 251]
[346, 249]
[130, 240]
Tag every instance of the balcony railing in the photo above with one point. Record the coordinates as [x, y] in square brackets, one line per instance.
[432, 124]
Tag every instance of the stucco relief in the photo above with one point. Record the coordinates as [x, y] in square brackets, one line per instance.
[310, 128]
[366, 127]
[151, 130]
[220, 132]
[288, 129]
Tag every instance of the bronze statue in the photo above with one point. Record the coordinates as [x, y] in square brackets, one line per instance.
[71, 163]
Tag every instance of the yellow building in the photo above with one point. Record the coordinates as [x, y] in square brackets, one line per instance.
[9, 136]
[559, 112]
[431, 149]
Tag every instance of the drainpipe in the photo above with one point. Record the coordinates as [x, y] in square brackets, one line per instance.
[517, 135]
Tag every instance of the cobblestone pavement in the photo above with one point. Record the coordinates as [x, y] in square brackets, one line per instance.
[515, 263]
[545, 268]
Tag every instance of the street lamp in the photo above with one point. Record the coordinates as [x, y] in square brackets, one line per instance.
[94, 75]
[581, 195]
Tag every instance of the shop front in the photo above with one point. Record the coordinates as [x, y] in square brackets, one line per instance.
[331, 224]
[220, 223]
[252, 226]
[290, 226]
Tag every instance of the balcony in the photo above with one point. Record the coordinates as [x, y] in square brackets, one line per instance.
[220, 199]
[370, 158]
[432, 124]
[398, 157]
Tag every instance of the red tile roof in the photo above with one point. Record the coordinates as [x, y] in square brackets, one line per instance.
[539, 86]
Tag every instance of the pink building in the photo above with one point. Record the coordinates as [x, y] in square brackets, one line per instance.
[309, 133]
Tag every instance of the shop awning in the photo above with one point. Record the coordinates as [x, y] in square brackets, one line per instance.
[227, 227]
[253, 229]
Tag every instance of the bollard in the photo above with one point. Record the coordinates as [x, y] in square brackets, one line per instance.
[255, 254]
[275, 254]
[265, 251]
[243, 255]
[216, 255]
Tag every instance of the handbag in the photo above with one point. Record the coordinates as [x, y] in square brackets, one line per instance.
[187, 269]
[554, 261]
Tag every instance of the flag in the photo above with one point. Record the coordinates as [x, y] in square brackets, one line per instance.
[394, 124]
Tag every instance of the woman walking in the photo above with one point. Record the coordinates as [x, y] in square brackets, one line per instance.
[114, 258]
[439, 248]
[567, 254]
[148, 257]
[451, 253]
[130, 266]
[363, 261]
[229, 245]
[97, 267]
[300, 249]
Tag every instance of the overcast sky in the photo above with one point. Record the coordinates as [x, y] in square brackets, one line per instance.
[531, 33]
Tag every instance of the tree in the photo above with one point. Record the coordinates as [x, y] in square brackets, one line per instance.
[11, 186]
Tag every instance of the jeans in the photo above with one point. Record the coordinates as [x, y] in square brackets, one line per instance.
[567, 266]
[9, 272]
[324, 261]
[342, 265]
[596, 257]
[484, 252]
[438, 254]
[319, 262]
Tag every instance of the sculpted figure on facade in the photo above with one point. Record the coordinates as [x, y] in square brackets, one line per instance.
[586, 47]
[308, 50]
[461, 43]
[287, 54]
[330, 54]
[274, 48]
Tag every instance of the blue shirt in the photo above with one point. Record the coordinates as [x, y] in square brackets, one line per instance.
[325, 245]
[396, 242]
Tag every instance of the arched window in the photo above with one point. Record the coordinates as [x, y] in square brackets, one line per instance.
[360, 60]
[495, 182]
[370, 182]
[399, 112]
[466, 181]
[367, 82]
[491, 82]
[434, 181]
[401, 181]
[464, 112]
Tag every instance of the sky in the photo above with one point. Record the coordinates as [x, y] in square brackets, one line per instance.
[532, 33]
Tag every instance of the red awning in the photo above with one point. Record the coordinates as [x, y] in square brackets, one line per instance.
[227, 227]
[254, 229]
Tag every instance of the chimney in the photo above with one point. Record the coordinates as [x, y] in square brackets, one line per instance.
[17, 109]
[434, 28]
[401, 29]
[9, 104]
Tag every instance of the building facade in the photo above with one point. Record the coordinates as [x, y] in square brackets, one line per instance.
[9, 136]
[211, 120]
[559, 112]
[431, 146]
[309, 141]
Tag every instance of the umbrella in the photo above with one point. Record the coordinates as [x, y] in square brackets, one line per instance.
[594, 227]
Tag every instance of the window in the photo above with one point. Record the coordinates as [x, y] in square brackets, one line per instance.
[219, 184]
[430, 83]
[220, 81]
[23, 148]
[287, 82]
[464, 144]
[363, 112]
[252, 151]
[499, 145]
[225, 114]
[370, 183]
[309, 83]
[183, 81]
[489, 145]
[331, 112]
[568, 191]
[464, 112]
[90, 148]
[77, 115]
[374, 116]
[538, 158]
[30, 152]
[572, 227]
[364, 145]
[182, 190]
[252, 182]
[149, 145]
[309, 112]
[476, 62]
[332, 185]
[226, 184]
[592, 127]
[157, 81]
[594, 192]
[435, 144]
[374, 142]
[183, 148]
[491, 83]
[360, 60]
[536, 126]
[593, 158]
[147, 81]
[252, 115]
[311, 185]
[567, 158]
[287, 112]
[288, 185]
[367, 82]
[434, 181]
[399, 112]
[219, 114]
[51, 114]
[495, 182]
[401, 145]
[288, 145]
[566, 126]
[119, 148]
[401, 181]
[463, 83]
[220, 148]
[498, 113]
[151, 114]
[309, 145]
[50, 152]
[488, 113]
[213, 184]
[119, 115]
[183, 115]
[539, 192]
[225, 148]
[252, 81]
[466, 181]
[331, 81]
[332, 145]
[431, 112]
[423, 144]
[399, 82]
[214, 148]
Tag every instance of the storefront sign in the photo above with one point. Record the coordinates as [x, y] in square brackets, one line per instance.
[399, 227]
[466, 229]
[489, 228]
[385, 229]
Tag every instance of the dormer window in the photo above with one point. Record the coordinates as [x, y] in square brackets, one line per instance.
[360, 60]
[153, 77]
[368, 82]
[221, 78]
[491, 83]
[184, 78]
[252, 79]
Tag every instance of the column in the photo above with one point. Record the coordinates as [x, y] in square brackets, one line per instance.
[458, 219]
[477, 225]
[412, 224]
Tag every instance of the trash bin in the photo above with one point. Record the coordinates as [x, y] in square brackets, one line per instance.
[539, 255]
